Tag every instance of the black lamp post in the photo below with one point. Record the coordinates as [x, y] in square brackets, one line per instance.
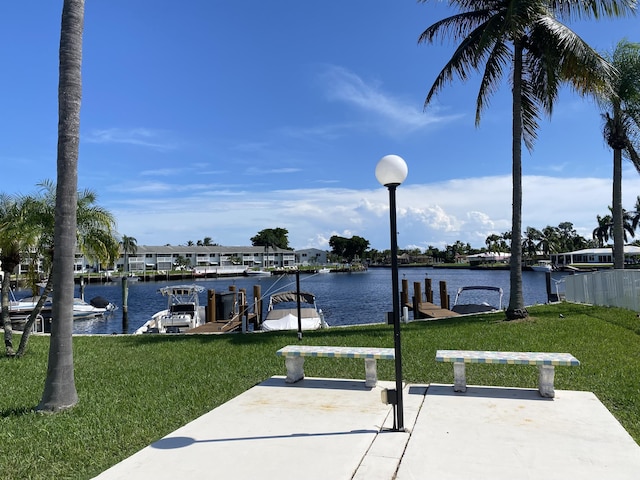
[391, 171]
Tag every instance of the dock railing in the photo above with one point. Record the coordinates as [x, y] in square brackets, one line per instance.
[611, 288]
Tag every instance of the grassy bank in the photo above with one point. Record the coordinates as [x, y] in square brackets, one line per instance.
[135, 389]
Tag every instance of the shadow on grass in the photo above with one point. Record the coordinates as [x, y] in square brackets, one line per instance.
[17, 411]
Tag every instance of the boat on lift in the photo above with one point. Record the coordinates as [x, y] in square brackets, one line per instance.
[183, 311]
[282, 312]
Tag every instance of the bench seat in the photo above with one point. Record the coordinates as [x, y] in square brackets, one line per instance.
[546, 361]
[295, 354]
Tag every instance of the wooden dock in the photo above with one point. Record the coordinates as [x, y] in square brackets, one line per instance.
[429, 310]
[425, 308]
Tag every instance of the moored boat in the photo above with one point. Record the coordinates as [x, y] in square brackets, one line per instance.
[476, 305]
[542, 266]
[282, 312]
[183, 311]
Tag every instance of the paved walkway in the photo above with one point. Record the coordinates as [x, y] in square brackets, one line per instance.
[339, 429]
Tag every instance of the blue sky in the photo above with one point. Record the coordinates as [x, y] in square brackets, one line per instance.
[209, 118]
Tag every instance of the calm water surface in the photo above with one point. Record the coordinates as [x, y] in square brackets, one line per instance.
[345, 298]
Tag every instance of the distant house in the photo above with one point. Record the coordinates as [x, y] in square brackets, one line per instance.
[311, 256]
[595, 257]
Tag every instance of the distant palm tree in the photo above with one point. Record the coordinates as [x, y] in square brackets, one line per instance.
[60, 390]
[530, 242]
[622, 129]
[128, 245]
[525, 39]
[601, 232]
[635, 221]
[548, 241]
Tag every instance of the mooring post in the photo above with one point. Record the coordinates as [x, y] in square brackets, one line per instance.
[257, 304]
[404, 295]
[211, 305]
[427, 290]
[417, 299]
[444, 297]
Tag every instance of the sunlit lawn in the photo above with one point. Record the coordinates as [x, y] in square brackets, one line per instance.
[135, 389]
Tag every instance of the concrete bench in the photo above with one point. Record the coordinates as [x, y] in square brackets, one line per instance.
[545, 362]
[294, 359]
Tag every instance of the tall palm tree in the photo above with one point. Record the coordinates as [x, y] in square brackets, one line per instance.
[128, 245]
[622, 129]
[525, 39]
[60, 390]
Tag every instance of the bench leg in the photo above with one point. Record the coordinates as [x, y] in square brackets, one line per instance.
[545, 380]
[371, 372]
[459, 377]
[295, 369]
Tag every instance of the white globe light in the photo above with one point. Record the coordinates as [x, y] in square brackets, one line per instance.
[391, 170]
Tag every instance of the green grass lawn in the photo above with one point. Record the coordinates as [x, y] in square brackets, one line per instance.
[136, 389]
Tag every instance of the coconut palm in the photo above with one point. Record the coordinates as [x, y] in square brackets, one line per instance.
[525, 39]
[60, 390]
[621, 130]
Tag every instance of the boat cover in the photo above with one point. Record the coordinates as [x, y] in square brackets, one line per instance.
[290, 322]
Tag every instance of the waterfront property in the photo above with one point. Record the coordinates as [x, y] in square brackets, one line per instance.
[203, 259]
[594, 257]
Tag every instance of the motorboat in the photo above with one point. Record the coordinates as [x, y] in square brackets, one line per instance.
[542, 266]
[324, 270]
[282, 312]
[473, 296]
[94, 308]
[183, 311]
[257, 273]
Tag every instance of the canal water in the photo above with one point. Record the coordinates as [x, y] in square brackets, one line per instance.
[345, 298]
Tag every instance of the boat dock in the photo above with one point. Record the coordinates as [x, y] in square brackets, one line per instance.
[424, 308]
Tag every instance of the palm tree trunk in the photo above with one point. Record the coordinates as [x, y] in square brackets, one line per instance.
[6, 316]
[33, 316]
[60, 390]
[618, 232]
[516, 301]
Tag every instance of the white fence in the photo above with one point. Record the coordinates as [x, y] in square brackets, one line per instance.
[610, 288]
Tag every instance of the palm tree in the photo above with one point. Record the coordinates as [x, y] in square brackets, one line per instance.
[16, 236]
[548, 241]
[622, 129]
[60, 389]
[530, 242]
[128, 245]
[525, 38]
[94, 238]
[601, 232]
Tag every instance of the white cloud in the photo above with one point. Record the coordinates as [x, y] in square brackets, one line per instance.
[143, 137]
[431, 214]
[392, 115]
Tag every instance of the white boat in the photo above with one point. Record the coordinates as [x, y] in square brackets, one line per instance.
[476, 304]
[183, 311]
[542, 266]
[282, 312]
[257, 273]
[324, 270]
[81, 309]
